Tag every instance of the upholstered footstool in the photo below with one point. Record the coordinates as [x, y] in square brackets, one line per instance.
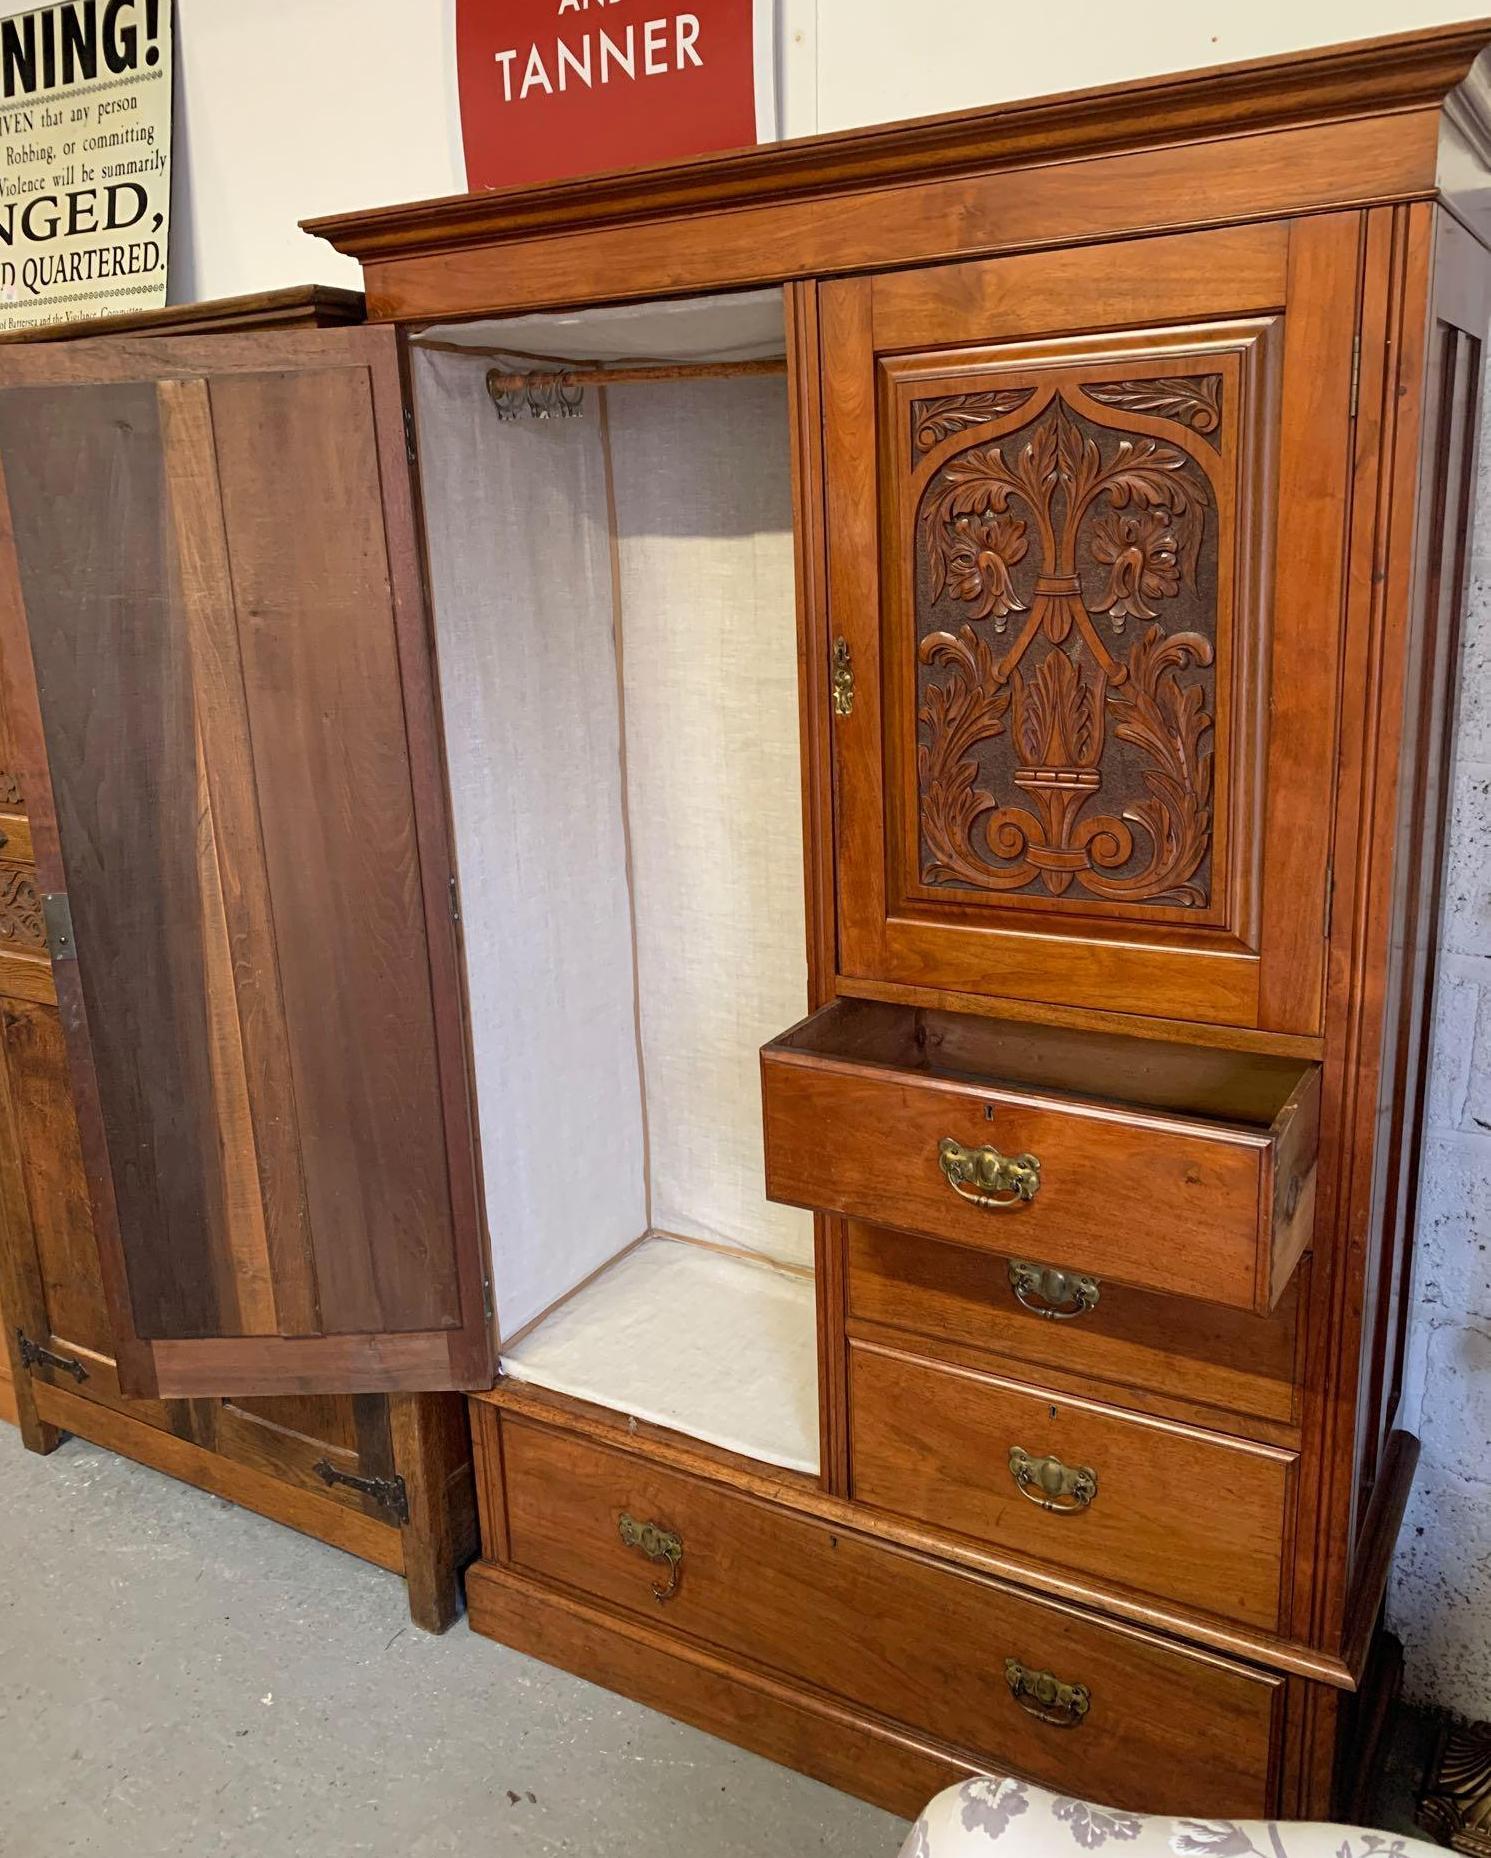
[1025, 1821]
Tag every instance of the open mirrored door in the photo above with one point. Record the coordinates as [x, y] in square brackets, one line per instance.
[213, 629]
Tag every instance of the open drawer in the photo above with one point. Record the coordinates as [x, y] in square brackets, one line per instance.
[1170, 1167]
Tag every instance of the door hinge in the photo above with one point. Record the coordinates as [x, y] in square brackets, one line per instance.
[33, 1355]
[56, 913]
[1330, 898]
[455, 901]
[486, 1297]
[389, 1492]
[1356, 372]
[409, 447]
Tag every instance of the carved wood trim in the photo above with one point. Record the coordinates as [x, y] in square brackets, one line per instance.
[1069, 525]
[21, 920]
[1195, 400]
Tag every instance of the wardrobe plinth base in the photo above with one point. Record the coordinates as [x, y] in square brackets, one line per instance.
[861, 1754]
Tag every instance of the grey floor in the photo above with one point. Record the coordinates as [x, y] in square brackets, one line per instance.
[181, 1679]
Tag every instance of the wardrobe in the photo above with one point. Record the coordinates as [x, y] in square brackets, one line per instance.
[385, 1477]
[787, 824]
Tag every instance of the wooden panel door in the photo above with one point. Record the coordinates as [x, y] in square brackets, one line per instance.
[213, 626]
[1085, 533]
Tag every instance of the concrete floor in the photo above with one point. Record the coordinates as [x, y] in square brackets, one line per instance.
[179, 1678]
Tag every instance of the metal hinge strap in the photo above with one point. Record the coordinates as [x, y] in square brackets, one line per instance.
[1356, 372]
[390, 1493]
[33, 1355]
[56, 913]
[409, 447]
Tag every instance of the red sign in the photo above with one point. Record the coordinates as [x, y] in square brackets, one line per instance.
[559, 87]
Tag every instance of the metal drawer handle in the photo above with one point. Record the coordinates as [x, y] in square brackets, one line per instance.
[986, 1178]
[1046, 1696]
[1045, 1291]
[1064, 1489]
[657, 1545]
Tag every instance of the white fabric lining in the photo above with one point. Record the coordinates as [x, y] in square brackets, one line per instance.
[704, 526]
[519, 551]
[742, 325]
[722, 1348]
[615, 1024]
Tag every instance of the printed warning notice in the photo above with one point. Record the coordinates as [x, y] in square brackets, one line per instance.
[85, 160]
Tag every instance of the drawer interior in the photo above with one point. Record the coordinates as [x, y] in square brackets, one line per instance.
[1168, 1167]
[1247, 1089]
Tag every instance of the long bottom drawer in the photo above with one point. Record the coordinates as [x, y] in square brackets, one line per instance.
[1036, 1688]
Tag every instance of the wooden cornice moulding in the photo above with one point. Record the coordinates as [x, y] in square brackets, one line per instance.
[1404, 72]
[298, 306]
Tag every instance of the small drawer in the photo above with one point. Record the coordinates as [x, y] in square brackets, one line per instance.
[1167, 1511]
[1026, 1312]
[1173, 1168]
[1125, 1716]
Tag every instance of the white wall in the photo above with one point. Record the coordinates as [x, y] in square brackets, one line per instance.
[288, 108]
[1441, 1596]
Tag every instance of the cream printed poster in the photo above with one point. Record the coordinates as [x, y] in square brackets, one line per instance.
[85, 160]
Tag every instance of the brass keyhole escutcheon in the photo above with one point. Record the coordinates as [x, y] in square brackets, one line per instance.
[843, 679]
[657, 1544]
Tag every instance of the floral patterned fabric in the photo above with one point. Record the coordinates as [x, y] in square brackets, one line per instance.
[966, 1821]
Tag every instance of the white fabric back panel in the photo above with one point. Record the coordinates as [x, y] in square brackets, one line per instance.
[709, 656]
[740, 325]
[722, 1348]
[520, 566]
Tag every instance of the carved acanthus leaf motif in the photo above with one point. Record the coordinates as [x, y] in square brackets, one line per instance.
[10, 789]
[20, 909]
[932, 421]
[1063, 697]
[1194, 399]
[969, 709]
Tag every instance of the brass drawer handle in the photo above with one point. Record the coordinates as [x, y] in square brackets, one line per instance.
[657, 1545]
[1045, 1291]
[1046, 1696]
[1064, 1489]
[986, 1178]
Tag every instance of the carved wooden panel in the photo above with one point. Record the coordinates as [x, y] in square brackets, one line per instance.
[21, 923]
[1068, 685]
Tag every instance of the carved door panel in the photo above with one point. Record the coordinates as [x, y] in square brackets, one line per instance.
[219, 684]
[1085, 521]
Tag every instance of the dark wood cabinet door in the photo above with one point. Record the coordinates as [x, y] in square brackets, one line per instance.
[1085, 535]
[214, 635]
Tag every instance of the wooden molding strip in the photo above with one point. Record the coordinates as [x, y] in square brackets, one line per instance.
[1375, 76]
